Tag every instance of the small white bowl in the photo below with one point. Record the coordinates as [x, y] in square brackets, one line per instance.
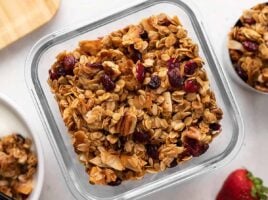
[231, 70]
[12, 120]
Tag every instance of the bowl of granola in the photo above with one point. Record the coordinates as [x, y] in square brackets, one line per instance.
[21, 157]
[248, 49]
[134, 103]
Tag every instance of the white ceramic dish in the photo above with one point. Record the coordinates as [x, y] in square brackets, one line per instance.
[12, 120]
[231, 70]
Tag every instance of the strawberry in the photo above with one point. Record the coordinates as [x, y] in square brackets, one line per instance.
[242, 185]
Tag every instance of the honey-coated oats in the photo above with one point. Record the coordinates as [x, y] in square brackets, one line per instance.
[248, 47]
[18, 164]
[136, 101]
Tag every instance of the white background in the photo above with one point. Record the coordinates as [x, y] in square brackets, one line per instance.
[219, 15]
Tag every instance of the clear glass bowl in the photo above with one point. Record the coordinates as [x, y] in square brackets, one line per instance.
[41, 57]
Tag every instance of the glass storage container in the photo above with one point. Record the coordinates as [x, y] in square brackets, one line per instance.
[42, 56]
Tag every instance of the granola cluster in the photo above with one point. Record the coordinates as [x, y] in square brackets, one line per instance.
[248, 47]
[136, 101]
[17, 166]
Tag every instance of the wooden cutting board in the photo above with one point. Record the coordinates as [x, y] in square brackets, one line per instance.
[19, 17]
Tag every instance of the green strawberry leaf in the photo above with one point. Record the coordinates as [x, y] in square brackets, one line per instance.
[258, 191]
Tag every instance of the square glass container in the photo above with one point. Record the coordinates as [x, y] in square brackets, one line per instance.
[42, 56]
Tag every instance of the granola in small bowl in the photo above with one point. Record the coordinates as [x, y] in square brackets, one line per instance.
[136, 101]
[248, 47]
[18, 165]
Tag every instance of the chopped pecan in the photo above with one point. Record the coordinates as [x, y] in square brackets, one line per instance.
[127, 124]
[132, 162]
[111, 160]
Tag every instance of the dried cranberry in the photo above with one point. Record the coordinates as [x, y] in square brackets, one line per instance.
[141, 137]
[152, 151]
[144, 35]
[95, 65]
[195, 147]
[68, 62]
[52, 75]
[250, 46]
[184, 154]
[107, 82]
[155, 82]
[140, 72]
[136, 55]
[191, 86]
[58, 72]
[249, 21]
[61, 71]
[174, 77]
[173, 163]
[173, 63]
[241, 73]
[117, 182]
[190, 67]
[215, 126]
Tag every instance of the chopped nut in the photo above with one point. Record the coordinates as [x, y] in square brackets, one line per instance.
[263, 48]
[111, 160]
[131, 36]
[97, 161]
[97, 176]
[233, 44]
[24, 188]
[111, 68]
[148, 62]
[92, 47]
[193, 133]
[209, 117]
[127, 124]
[133, 162]
[112, 139]
[250, 34]
[167, 105]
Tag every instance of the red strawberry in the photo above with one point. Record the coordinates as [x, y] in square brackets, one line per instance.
[242, 185]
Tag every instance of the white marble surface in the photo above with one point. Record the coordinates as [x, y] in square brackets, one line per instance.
[219, 16]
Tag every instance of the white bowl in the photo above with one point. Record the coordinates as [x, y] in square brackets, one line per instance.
[12, 120]
[231, 70]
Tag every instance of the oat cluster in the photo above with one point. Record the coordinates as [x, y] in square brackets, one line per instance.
[136, 101]
[248, 47]
[18, 165]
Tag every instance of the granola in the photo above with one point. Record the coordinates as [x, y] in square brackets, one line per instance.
[17, 166]
[248, 47]
[136, 101]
